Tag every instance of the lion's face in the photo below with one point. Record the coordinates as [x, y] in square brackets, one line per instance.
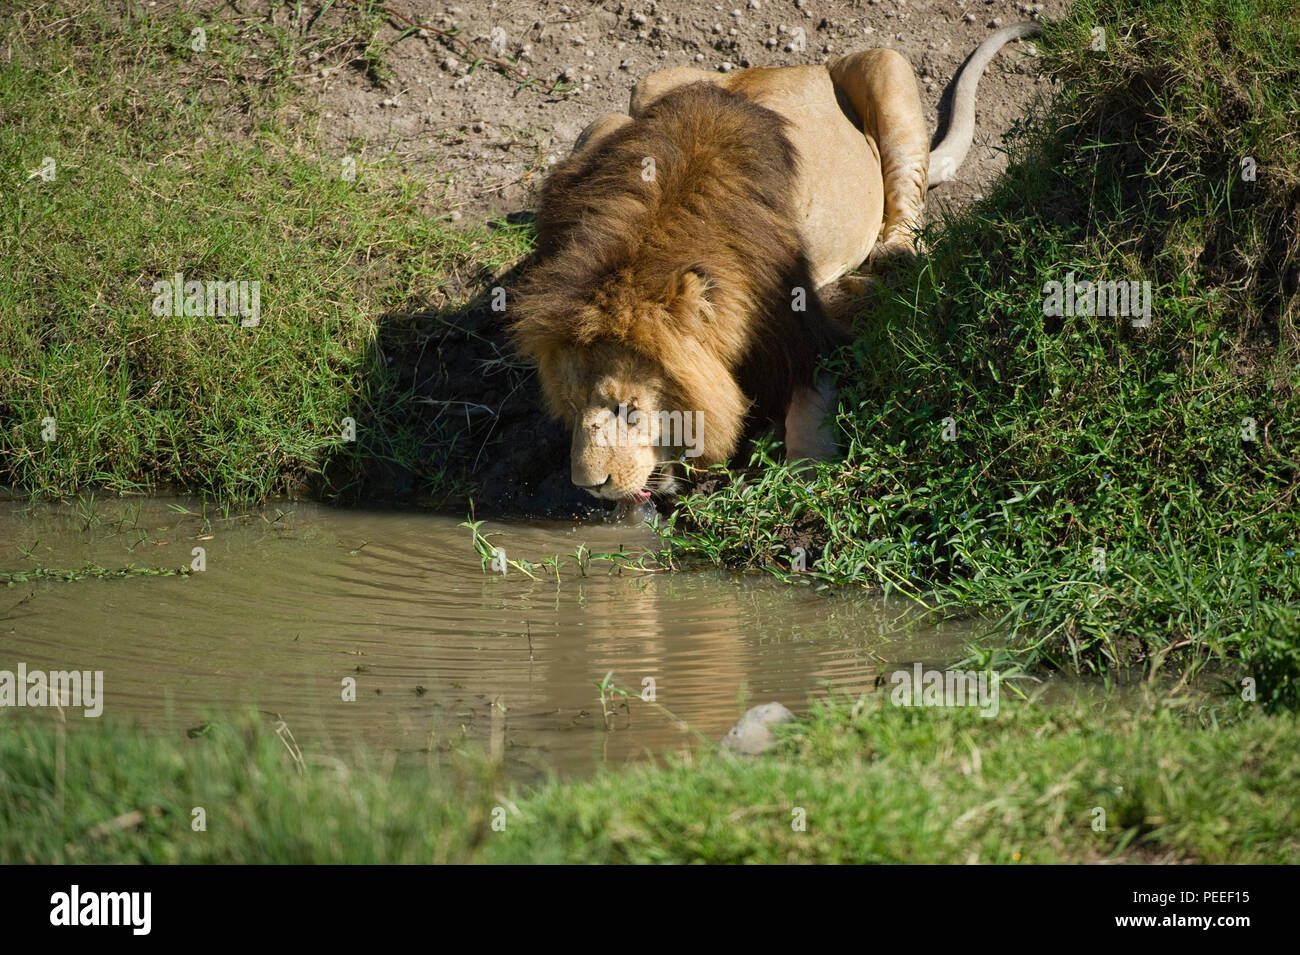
[627, 431]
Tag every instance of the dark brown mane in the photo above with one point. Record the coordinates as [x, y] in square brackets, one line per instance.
[620, 253]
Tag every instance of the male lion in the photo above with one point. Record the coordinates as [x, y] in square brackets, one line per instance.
[673, 305]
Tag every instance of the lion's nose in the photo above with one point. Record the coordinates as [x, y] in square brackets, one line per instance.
[593, 488]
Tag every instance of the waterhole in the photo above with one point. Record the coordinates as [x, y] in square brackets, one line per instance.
[384, 630]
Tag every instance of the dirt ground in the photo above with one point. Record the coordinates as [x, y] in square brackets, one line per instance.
[483, 138]
[487, 136]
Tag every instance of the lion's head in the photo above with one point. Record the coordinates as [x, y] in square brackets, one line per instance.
[668, 314]
[643, 405]
[621, 406]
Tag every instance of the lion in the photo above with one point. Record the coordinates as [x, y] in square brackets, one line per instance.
[673, 305]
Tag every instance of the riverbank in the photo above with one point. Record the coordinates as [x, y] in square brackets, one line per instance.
[859, 781]
[1121, 496]
[1116, 493]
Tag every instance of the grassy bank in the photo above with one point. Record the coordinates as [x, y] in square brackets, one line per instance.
[875, 783]
[1121, 498]
[205, 163]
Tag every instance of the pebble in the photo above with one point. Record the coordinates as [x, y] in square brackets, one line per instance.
[968, 17]
[752, 735]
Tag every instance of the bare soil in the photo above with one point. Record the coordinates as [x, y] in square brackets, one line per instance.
[486, 136]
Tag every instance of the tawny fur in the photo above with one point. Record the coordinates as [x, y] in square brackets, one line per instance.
[694, 264]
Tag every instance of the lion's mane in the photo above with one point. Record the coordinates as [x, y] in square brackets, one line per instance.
[676, 236]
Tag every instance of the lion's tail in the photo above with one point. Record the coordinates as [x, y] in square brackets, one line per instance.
[948, 156]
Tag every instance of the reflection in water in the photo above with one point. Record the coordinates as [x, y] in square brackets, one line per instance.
[295, 600]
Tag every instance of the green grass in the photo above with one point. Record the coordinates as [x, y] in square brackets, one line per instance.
[166, 161]
[874, 783]
[1099, 499]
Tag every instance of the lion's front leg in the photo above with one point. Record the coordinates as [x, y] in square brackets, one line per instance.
[809, 434]
[881, 88]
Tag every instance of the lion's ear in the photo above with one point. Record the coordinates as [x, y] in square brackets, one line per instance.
[693, 292]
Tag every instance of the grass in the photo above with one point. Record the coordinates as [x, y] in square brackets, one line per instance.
[169, 161]
[1121, 499]
[867, 781]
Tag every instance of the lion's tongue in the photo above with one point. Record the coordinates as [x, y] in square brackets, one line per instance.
[640, 497]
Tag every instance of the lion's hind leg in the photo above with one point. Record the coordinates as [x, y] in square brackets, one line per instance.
[881, 88]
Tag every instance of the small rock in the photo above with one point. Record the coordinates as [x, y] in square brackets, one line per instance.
[725, 67]
[478, 127]
[968, 17]
[752, 734]
[995, 22]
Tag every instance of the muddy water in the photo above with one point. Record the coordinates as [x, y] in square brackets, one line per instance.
[297, 599]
